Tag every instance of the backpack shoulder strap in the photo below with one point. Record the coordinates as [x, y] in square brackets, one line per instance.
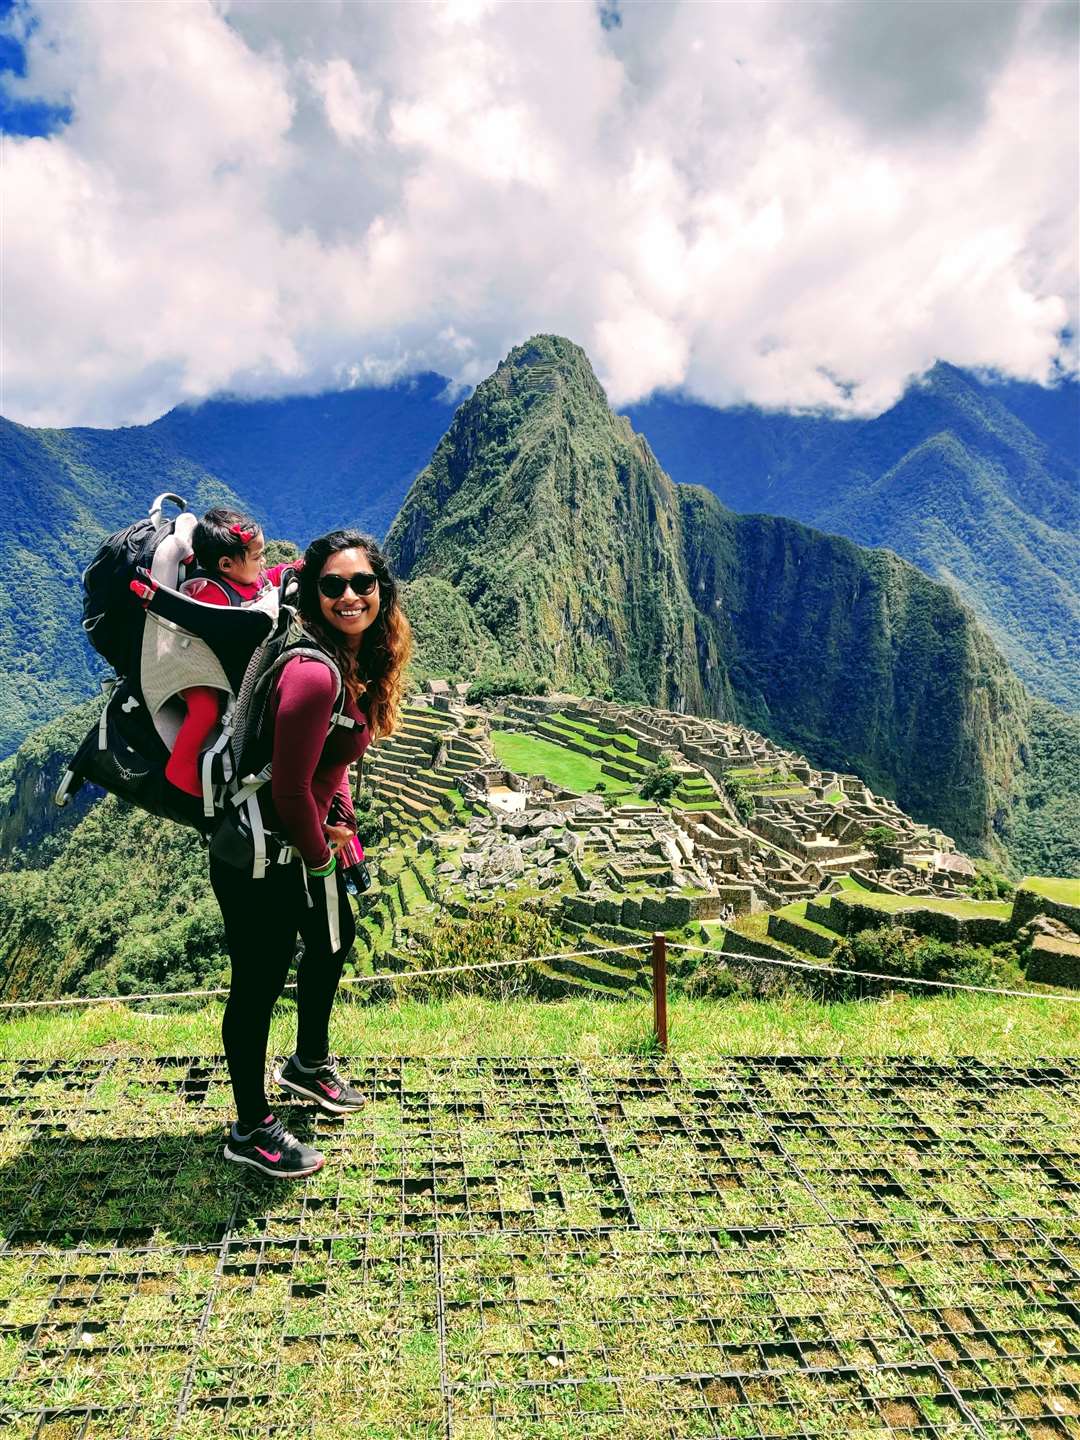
[306, 647]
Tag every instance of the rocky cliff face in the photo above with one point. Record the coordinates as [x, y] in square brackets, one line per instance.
[860, 661]
[585, 563]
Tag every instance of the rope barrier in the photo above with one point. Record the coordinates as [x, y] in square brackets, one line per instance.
[405, 976]
[385, 976]
[873, 975]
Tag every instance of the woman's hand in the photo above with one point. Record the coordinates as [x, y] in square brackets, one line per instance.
[338, 835]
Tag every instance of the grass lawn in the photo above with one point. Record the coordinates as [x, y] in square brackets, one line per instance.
[965, 909]
[1065, 891]
[467, 1025]
[529, 755]
[797, 911]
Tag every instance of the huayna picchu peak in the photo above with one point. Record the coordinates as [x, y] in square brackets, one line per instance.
[554, 520]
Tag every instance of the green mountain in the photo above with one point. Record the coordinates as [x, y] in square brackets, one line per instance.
[62, 492]
[552, 519]
[302, 465]
[975, 482]
[585, 563]
[947, 509]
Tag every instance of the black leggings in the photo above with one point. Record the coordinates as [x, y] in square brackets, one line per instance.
[262, 920]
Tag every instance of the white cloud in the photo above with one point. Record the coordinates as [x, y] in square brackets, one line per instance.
[787, 204]
[350, 109]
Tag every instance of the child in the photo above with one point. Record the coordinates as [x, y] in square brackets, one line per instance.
[229, 550]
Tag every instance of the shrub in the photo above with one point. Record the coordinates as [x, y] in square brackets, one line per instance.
[894, 950]
[369, 824]
[881, 841]
[490, 687]
[888, 950]
[712, 979]
[661, 780]
[740, 797]
[990, 884]
[972, 965]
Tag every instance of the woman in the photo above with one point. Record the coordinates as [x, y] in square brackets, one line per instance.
[349, 603]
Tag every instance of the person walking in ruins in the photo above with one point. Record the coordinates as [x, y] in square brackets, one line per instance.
[325, 710]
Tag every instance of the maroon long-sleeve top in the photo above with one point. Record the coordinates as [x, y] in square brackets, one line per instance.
[311, 766]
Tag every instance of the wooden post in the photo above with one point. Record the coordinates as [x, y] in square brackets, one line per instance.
[659, 989]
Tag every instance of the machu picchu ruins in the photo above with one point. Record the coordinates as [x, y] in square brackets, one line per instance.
[813, 856]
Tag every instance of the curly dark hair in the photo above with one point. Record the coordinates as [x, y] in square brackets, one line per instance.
[376, 670]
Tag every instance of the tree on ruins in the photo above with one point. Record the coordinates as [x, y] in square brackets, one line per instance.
[740, 796]
[881, 840]
[661, 781]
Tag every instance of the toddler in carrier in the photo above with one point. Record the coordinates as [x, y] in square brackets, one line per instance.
[229, 550]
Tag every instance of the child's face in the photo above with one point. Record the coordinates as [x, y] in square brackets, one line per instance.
[245, 569]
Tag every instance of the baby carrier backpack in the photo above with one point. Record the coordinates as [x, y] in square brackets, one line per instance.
[157, 649]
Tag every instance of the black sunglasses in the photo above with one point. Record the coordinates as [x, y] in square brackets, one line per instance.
[334, 586]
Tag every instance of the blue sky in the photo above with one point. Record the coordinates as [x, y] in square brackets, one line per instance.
[22, 116]
[794, 203]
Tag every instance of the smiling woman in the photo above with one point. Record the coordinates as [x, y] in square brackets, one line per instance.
[332, 697]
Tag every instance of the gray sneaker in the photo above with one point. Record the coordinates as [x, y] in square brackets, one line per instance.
[325, 1086]
[271, 1150]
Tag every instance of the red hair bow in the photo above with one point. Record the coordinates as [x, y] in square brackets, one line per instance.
[245, 536]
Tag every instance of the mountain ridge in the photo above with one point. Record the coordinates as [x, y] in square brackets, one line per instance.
[1020, 490]
[544, 529]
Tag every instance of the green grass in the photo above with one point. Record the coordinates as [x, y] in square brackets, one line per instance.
[372, 1301]
[529, 755]
[797, 911]
[964, 909]
[467, 1025]
[756, 925]
[848, 882]
[1065, 891]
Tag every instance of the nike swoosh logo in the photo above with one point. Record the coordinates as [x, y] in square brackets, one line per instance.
[330, 1089]
[271, 1157]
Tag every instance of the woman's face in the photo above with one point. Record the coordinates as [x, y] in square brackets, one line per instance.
[350, 614]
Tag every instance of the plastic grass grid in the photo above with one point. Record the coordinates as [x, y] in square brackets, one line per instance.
[548, 1249]
[505, 1146]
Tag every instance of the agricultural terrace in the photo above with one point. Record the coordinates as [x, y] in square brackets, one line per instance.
[1067, 892]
